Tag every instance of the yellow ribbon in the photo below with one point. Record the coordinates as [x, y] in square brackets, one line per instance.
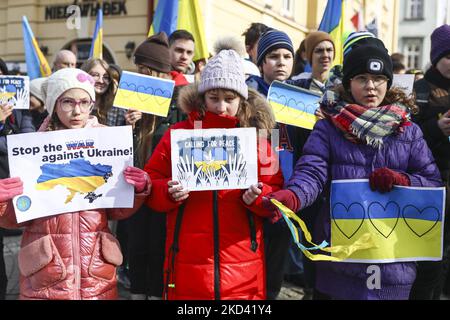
[339, 253]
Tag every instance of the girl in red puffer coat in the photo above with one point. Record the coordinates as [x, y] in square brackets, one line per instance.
[214, 243]
[71, 255]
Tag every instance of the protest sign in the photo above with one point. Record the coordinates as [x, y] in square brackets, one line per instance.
[214, 159]
[144, 93]
[15, 91]
[405, 82]
[293, 105]
[406, 224]
[71, 170]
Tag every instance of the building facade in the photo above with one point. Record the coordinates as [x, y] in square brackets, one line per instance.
[126, 23]
[418, 19]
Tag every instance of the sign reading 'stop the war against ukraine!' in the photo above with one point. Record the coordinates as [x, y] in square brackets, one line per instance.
[71, 170]
[144, 93]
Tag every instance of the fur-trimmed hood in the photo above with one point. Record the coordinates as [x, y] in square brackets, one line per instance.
[261, 115]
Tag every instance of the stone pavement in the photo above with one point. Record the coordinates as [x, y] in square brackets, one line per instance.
[10, 250]
[12, 246]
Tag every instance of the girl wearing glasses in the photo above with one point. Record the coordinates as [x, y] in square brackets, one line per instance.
[71, 255]
[105, 90]
[366, 134]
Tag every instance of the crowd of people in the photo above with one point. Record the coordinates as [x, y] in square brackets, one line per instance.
[233, 244]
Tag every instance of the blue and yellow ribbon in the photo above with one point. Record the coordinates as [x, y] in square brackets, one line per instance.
[338, 253]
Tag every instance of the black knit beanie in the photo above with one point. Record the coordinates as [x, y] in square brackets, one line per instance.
[372, 57]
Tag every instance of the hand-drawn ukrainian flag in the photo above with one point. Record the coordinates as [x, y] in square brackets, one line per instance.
[171, 15]
[144, 93]
[78, 176]
[97, 39]
[293, 105]
[37, 65]
[333, 23]
[406, 224]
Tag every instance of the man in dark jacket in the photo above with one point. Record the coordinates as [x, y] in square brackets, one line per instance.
[320, 53]
[147, 232]
[275, 60]
[433, 99]
[3, 279]
[17, 121]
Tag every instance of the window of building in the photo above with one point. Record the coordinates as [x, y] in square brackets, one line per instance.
[413, 53]
[414, 9]
[82, 48]
[288, 8]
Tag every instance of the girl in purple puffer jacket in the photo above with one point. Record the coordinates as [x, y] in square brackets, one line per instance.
[366, 133]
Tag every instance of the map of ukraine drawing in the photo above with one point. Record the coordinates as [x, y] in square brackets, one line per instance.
[78, 176]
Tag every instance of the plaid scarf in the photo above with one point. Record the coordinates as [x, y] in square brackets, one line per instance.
[364, 125]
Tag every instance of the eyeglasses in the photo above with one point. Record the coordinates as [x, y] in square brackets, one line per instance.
[69, 104]
[363, 80]
[97, 77]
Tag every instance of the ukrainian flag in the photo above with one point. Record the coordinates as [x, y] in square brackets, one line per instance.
[97, 39]
[171, 15]
[333, 23]
[216, 157]
[292, 105]
[144, 93]
[406, 224]
[37, 65]
[78, 176]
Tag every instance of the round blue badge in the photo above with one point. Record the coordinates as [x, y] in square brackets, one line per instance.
[23, 203]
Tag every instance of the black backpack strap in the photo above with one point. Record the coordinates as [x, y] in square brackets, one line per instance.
[251, 223]
[173, 251]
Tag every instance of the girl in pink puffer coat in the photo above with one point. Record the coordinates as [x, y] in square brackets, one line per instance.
[71, 255]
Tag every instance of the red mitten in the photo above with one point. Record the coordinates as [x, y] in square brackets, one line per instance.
[9, 188]
[286, 197]
[383, 180]
[136, 177]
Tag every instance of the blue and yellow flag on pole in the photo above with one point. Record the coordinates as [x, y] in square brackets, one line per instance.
[97, 39]
[37, 65]
[333, 23]
[171, 15]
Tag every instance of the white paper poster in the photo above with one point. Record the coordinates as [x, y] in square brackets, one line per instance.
[214, 159]
[71, 170]
[405, 82]
[15, 91]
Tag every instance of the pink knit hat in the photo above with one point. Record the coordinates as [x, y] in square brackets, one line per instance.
[224, 71]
